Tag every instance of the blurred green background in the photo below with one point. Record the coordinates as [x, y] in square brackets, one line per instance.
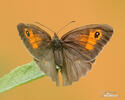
[107, 73]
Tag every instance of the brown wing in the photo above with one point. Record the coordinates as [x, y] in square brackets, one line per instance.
[38, 42]
[80, 48]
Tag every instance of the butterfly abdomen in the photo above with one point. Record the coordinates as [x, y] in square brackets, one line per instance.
[57, 49]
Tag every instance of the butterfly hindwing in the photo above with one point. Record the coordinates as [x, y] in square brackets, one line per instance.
[74, 66]
[38, 42]
[80, 48]
[48, 66]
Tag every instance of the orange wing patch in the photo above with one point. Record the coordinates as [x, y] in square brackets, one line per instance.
[34, 39]
[90, 40]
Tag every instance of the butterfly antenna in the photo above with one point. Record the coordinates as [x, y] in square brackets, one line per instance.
[65, 26]
[45, 27]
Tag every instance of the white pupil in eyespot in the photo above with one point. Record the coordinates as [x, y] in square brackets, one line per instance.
[97, 34]
[27, 33]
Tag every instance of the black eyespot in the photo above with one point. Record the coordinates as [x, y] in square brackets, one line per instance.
[97, 34]
[27, 33]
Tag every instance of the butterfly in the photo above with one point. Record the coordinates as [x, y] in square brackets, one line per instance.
[74, 53]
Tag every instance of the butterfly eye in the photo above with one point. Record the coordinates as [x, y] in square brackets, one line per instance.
[27, 33]
[97, 34]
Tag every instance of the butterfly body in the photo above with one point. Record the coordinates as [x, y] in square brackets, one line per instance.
[74, 53]
[56, 43]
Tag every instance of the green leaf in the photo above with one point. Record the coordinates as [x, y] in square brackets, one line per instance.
[19, 76]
